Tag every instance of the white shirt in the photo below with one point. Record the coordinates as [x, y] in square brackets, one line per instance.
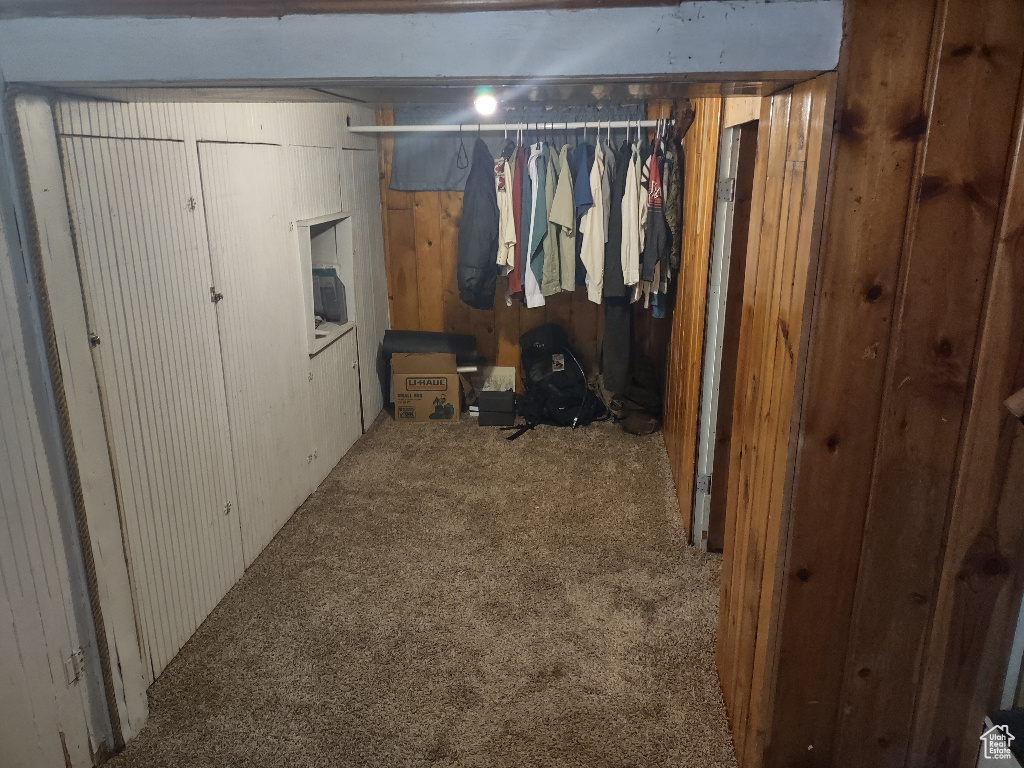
[631, 245]
[503, 171]
[534, 297]
[593, 227]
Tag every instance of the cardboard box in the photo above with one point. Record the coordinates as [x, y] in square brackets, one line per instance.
[426, 387]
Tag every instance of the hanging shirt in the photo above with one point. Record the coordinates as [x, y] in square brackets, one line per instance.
[583, 199]
[515, 277]
[592, 225]
[606, 184]
[673, 204]
[641, 169]
[503, 173]
[533, 268]
[655, 240]
[551, 274]
[631, 228]
[478, 233]
[563, 214]
[614, 284]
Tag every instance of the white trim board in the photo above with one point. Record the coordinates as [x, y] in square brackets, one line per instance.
[45, 190]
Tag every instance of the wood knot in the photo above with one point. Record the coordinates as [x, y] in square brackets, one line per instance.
[832, 443]
[995, 565]
[873, 293]
[850, 125]
[803, 574]
[863, 672]
[943, 348]
[930, 187]
[962, 50]
[913, 129]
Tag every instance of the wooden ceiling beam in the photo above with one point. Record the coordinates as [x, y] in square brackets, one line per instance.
[272, 8]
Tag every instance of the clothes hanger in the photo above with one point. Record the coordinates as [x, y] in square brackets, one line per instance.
[461, 157]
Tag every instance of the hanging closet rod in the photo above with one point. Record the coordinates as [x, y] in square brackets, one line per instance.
[531, 126]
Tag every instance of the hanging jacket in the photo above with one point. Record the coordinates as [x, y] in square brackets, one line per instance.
[515, 277]
[478, 232]
[538, 225]
[551, 273]
[563, 214]
[673, 204]
[614, 284]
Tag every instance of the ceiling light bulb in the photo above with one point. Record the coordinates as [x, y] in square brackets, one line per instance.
[486, 104]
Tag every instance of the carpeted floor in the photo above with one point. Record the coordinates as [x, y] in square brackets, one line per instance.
[447, 598]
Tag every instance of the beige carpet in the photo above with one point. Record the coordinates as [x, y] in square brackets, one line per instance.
[447, 598]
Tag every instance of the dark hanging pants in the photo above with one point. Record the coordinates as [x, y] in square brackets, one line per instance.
[615, 351]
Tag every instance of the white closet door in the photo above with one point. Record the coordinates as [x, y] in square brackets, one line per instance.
[263, 334]
[335, 411]
[146, 284]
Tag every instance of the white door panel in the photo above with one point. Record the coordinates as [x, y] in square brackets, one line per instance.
[146, 284]
[263, 333]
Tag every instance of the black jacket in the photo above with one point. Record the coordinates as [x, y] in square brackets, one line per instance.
[478, 232]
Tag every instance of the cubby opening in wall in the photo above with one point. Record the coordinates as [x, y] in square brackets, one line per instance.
[326, 251]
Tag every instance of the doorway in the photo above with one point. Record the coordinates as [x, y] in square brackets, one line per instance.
[733, 192]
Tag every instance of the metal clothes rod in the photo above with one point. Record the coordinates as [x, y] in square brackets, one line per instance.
[531, 126]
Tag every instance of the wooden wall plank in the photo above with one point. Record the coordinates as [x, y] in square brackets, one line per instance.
[881, 112]
[430, 277]
[682, 389]
[456, 312]
[727, 618]
[782, 248]
[403, 295]
[949, 245]
[983, 568]
[586, 315]
[750, 444]
[811, 113]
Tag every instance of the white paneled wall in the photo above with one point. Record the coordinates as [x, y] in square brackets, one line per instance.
[208, 403]
[146, 287]
[360, 175]
[263, 333]
[43, 607]
[316, 181]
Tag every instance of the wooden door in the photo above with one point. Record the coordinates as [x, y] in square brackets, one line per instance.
[146, 285]
[263, 333]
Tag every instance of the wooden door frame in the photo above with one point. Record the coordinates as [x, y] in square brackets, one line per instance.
[714, 328]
